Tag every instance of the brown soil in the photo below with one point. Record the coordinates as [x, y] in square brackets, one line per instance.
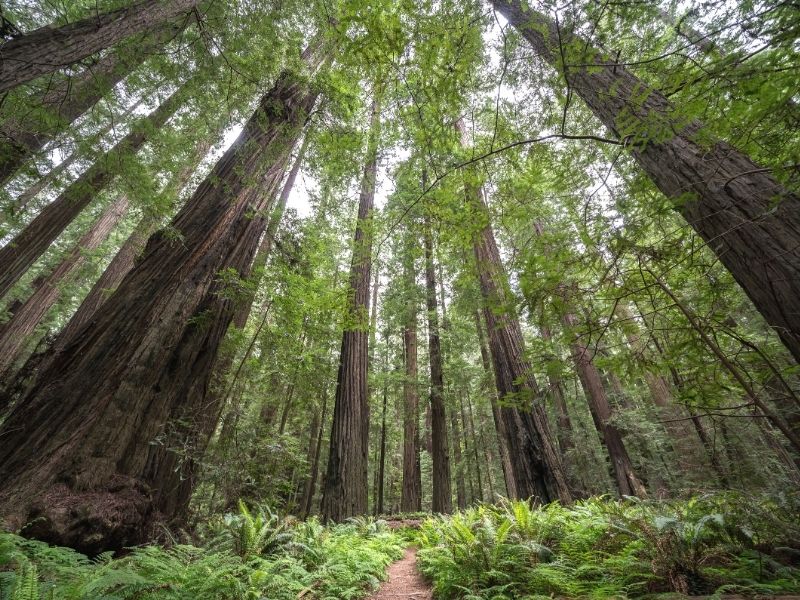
[405, 581]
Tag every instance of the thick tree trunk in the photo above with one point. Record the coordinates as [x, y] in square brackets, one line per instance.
[442, 500]
[15, 332]
[628, 483]
[746, 217]
[205, 422]
[535, 462]
[21, 252]
[346, 483]
[50, 48]
[124, 259]
[23, 137]
[80, 458]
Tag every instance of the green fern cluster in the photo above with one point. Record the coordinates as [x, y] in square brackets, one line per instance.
[601, 548]
[250, 556]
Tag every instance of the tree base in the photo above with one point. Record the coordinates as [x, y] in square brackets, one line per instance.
[93, 521]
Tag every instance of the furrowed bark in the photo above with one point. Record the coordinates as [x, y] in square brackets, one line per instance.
[745, 216]
[346, 483]
[82, 452]
[50, 48]
[19, 254]
[124, 259]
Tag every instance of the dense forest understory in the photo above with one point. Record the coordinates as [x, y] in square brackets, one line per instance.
[498, 299]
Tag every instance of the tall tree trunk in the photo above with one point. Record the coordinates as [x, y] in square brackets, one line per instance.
[124, 259]
[461, 492]
[15, 332]
[50, 48]
[373, 332]
[747, 218]
[21, 252]
[628, 483]
[78, 460]
[346, 491]
[204, 424]
[411, 498]
[442, 500]
[535, 462]
[455, 430]
[21, 138]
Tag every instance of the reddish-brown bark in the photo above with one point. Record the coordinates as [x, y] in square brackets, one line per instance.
[80, 452]
[535, 462]
[50, 48]
[23, 136]
[505, 459]
[346, 484]
[628, 483]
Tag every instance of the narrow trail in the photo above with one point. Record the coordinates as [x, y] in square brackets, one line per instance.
[404, 581]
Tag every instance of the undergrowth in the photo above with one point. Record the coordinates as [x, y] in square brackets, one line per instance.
[599, 548]
[250, 556]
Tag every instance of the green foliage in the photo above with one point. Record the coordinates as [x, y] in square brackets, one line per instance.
[600, 548]
[252, 555]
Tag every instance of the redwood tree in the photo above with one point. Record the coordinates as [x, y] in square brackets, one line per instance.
[50, 48]
[749, 220]
[411, 497]
[346, 484]
[14, 332]
[442, 500]
[535, 462]
[79, 455]
[628, 483]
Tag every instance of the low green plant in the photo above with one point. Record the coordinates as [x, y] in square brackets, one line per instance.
[248, 556]
[603, 548]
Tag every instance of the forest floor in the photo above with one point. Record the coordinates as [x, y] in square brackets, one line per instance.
[405, 581]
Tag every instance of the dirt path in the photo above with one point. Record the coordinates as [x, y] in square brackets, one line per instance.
[404, 581]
